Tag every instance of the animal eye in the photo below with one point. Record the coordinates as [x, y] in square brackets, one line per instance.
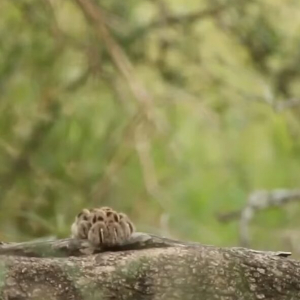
[85, 218]
[109, 213]
[100, 219]
[116, 218]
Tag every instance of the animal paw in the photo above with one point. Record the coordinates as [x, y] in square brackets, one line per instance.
[103, 227]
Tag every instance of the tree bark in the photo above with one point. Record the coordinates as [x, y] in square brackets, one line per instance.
[147, 267]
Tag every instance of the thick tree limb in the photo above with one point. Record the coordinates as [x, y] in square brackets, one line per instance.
[75, 247]
[147, 267]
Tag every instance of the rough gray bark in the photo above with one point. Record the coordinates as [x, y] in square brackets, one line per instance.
[148, 267]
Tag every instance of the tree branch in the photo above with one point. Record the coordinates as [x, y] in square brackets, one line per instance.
[148, 267]
[257, 201]
[76, 247]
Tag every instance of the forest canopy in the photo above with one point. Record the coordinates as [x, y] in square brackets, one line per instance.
[172, 111]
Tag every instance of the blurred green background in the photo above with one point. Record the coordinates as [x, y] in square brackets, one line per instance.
[172, 111]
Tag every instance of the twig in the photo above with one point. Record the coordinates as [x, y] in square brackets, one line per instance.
[276, 105]
[94, 15]
[146, 110]
[143, 149]
[262, 200]
[21, 164]
[173, 20]
[190, 17]
[117, 159]
[257, 201]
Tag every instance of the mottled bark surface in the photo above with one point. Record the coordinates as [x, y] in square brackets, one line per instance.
[178, 271]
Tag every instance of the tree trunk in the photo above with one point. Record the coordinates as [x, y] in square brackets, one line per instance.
[148, 267]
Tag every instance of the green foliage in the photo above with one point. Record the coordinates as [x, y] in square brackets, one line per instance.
[74, 132]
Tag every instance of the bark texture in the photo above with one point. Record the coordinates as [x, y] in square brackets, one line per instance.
[147, 268]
